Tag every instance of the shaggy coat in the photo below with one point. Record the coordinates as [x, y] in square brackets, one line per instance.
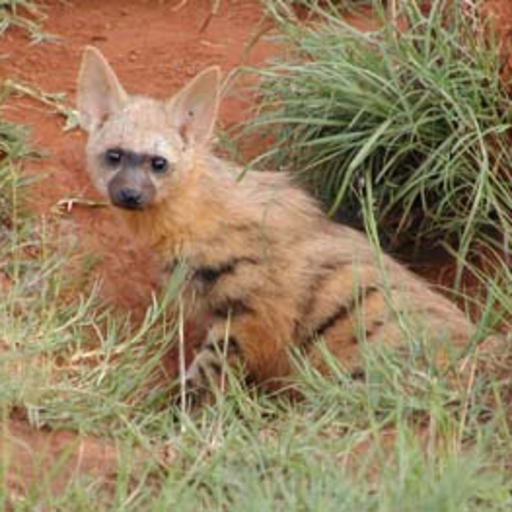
[269, 269]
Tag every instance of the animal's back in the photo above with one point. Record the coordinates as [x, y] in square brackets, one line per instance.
[358, 295]
[289, 278]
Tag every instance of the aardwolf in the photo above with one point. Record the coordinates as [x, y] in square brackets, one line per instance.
[265, 265]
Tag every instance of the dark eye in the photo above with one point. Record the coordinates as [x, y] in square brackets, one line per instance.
[158, 164]
[113, 157]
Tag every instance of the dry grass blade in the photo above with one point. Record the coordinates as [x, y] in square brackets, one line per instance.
[26, 15]
[54, 100]
[65, 206]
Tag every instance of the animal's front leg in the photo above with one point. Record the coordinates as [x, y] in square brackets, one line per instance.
[252, 341]
[207, 373]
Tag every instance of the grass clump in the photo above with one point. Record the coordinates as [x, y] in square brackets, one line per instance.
[419, 113]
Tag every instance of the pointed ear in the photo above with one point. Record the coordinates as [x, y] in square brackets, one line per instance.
[100, 93]
[194, 109]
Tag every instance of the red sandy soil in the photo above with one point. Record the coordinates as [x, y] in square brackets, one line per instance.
[155, 48]
[499, 13]
[31, 454]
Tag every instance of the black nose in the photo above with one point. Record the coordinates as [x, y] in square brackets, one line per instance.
[128, 198]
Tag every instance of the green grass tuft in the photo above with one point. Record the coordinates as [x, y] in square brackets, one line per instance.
[421, 114]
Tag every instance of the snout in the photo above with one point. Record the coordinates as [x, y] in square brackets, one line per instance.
[131, 189]
[128, 198]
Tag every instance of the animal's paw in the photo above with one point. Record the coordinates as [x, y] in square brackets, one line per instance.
[207, 375]
[203, 381]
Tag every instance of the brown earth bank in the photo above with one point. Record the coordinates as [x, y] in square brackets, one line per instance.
[155, 46]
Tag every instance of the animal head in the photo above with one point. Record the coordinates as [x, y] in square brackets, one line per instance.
[141, 149]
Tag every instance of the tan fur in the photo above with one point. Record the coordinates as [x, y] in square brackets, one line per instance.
[262, 256]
